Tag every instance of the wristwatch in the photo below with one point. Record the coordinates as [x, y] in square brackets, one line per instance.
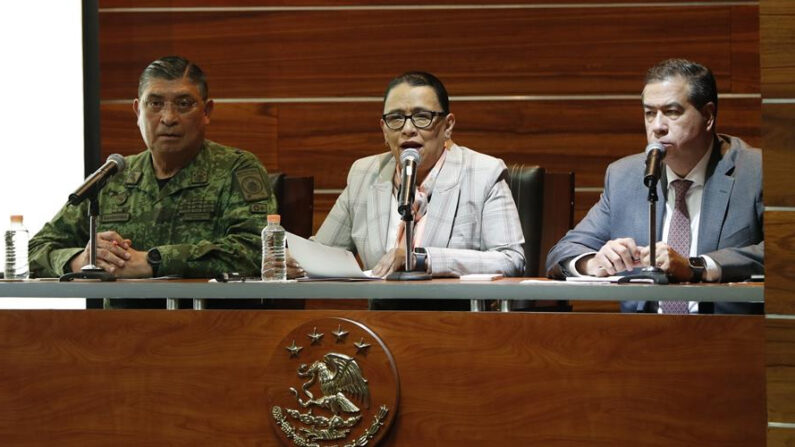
[697, 267]
[153, 258]
[420, 260]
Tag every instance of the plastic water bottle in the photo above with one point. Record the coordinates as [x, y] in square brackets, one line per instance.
[274, 263]
[16, 239]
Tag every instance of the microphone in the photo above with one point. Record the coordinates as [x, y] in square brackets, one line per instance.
[96, 181]
[409, 159]
[655, 152]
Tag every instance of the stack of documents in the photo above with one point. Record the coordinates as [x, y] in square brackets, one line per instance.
[323, 262]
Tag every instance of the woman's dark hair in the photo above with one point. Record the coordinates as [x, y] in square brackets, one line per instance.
[419, 79]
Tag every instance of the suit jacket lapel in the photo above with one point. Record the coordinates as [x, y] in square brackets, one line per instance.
[715, 200]
[379, 201]
[442, 206]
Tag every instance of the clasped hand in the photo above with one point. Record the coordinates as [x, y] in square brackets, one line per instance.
[620, 255]
[115, 255]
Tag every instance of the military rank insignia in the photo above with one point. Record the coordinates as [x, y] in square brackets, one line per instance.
[252, 184]
[335, 384]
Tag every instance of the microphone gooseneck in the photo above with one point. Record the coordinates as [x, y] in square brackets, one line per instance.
[114, 164]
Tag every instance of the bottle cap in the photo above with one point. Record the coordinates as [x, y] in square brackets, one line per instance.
[274, 218]
[16, 218]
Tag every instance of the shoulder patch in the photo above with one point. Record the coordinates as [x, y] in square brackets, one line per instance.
[252, 184]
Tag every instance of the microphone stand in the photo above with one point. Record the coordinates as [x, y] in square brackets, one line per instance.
[651, 272]
[409, 274]
[91, 271]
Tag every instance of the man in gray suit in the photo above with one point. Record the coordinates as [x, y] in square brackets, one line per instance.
[465, 218]
[710, 190]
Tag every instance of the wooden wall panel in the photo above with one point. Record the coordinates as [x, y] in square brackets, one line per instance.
[334, 3]
[777, 61]
[777, 29]
[780, 437]
[780, 355]
[779, 159]
[200, 378]
[476, 52]
[779, 266]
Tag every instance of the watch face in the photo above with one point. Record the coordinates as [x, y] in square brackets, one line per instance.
[153, 256]
[697, 262]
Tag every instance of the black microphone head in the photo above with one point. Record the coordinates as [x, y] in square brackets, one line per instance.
[119, 160]
[656, 145]
[410, 153]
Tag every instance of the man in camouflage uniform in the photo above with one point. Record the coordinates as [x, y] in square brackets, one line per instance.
[187, 206]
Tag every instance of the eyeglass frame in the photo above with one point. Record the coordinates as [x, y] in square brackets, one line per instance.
[195, 103]
[411, 117]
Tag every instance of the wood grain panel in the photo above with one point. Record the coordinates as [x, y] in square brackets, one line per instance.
[583, 202]
[579, 136]
[332, 3]
[779, 266]
[476, 52]
[777, 28]
[780, 437]
[780, 354]
[251, 127]
[200, 378]
[779, 160]
[323, 204]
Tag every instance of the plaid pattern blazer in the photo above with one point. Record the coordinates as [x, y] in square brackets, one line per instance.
[472, 227]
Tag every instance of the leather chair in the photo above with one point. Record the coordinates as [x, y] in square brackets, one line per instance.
[545, 201]
[295, 197]
[527, 189]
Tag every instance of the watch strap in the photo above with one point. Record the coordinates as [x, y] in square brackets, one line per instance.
[420, 259]
[698, 268]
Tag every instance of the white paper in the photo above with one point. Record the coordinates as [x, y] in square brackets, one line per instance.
[604, 279]
[593, 278]
[321, 261]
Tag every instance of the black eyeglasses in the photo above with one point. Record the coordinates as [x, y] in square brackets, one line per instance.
[181, 105]
[421, 120]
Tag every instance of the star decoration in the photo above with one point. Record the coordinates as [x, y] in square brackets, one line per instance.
[361, 346]
[294, 350]
[340, 334]
[315, 335]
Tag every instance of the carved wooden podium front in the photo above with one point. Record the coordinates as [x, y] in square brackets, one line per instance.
[213, 378]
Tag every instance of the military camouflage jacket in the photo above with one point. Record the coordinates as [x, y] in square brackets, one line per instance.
[206, 220]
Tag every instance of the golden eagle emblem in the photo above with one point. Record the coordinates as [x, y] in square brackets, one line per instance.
[334, 396]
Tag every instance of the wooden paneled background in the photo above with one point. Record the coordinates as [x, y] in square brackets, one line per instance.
[777, 56]
[554, 83]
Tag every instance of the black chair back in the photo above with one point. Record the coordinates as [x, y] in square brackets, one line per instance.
[527, 187]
